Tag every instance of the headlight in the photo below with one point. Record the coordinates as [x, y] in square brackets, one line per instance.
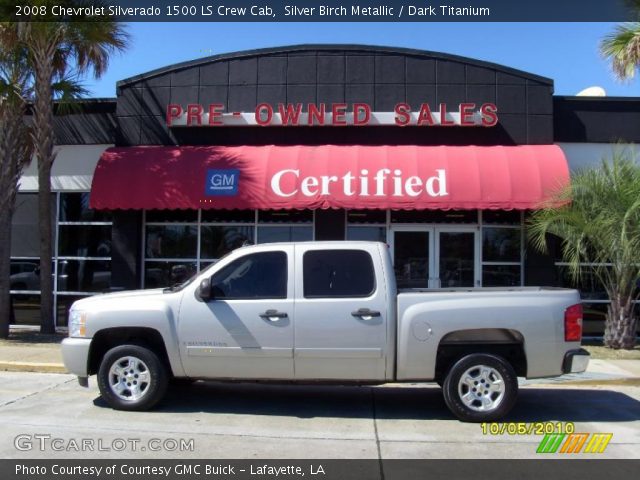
[77, 323]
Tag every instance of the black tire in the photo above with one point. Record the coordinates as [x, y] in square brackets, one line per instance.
[138, 390]
[496, 388]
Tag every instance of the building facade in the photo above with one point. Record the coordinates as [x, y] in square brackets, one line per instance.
[441, 157]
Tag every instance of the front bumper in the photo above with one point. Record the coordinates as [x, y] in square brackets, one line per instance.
[575, 361]
[75, 355]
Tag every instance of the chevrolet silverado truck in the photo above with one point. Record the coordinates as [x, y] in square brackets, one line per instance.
[324, 312]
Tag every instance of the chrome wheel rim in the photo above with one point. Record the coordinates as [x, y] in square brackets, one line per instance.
[481, 388]
[129, 378]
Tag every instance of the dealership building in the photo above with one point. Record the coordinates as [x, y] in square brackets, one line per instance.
[441, 157]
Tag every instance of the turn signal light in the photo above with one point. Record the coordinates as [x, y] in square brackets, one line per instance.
[573, 323]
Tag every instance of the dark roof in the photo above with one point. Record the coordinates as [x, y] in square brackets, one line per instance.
[329, 48]
[602, 100]
[596, 119]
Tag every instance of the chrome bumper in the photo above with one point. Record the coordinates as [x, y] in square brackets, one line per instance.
[575, 361]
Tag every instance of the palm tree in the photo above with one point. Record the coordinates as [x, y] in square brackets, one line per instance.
[622, 49]
[15, 154]
[55, 47]
[622, 46]
[599, 225]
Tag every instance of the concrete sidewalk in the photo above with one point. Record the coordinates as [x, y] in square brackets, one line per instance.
[28, 351]
[46, 357]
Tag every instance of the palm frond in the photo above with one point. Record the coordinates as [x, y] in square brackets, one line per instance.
[601, 225]
[67, 90]
[622, 49]
[94, 42]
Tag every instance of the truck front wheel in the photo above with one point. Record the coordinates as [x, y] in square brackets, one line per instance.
[132, 377]
[480, 388]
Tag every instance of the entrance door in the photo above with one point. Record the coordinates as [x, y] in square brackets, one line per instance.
[436, 257]
[457, 257]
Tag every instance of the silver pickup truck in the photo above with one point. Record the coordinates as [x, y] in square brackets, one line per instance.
[329, 312]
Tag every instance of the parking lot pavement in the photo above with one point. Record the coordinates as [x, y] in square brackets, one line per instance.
[215, 420]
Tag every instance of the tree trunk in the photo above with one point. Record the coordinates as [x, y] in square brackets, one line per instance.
[621, 323]
[43, 144]
[5, 272]
[13, 155]
[7, 177]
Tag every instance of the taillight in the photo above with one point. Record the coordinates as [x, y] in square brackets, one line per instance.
[573, 323]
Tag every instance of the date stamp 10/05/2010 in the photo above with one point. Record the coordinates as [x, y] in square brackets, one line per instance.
[557, 437]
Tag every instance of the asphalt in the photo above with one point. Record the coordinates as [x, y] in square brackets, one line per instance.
[259, 421]
[47, 358]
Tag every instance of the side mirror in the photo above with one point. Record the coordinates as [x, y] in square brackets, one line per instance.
[204, 290]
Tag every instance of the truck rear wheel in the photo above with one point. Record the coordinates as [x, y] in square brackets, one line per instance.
[132, 377]
[480, 388]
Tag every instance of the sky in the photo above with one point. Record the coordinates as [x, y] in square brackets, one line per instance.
[565, 52]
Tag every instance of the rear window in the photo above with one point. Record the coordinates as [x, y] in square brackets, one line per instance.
[338, 273]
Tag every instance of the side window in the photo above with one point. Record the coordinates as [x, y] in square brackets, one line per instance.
[254, 276]
[338, 273]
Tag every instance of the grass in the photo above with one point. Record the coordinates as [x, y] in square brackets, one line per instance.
[603, 353]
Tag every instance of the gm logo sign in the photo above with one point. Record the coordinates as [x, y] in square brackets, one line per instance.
[222, 182]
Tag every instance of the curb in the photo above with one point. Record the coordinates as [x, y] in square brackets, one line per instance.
[625, 381]
[32, 367]
[621, 381]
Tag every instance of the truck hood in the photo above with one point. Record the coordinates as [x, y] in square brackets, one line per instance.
[86, 302]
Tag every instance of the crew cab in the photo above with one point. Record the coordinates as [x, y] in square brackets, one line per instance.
[329, 312]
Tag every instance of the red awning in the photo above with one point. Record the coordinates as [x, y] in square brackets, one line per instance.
[329, 176]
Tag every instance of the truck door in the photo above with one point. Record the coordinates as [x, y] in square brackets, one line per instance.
[246, 330]
[340, 314]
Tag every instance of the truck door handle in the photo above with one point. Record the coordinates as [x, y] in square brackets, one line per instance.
[273, 315]
[365, 312]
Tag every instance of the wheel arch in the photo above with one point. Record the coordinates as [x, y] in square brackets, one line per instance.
[503, 342]
[108, 338]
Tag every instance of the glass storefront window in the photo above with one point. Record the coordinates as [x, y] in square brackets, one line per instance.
[165, 274]
[285, 234]
[589, 285]
[91, 276]
[434, 216]
[25, 229]
[367, 216]
[456, 259]
[74, 207]
[171, 216]
[217, 241]
[373, 234]
[502, 217]
[411, 259]
[171, 241]
[84, 240]
[64, 302]
[501, 275]
[81, 233]
[285, 216]
[228, 216]
[501, 244]
[26, 309]
[24, 274]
